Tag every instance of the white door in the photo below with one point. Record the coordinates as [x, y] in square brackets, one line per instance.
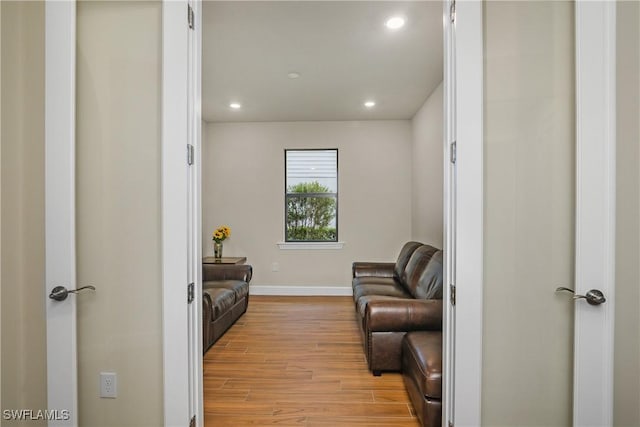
[522, 354]
[60, 240]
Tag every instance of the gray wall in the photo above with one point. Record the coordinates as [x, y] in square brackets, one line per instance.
[118, 210]
[243, 187]
[427, 170]
[529, 168]
[627, 329]
[22, 216]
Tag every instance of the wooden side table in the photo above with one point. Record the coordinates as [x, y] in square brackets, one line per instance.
[224, 260]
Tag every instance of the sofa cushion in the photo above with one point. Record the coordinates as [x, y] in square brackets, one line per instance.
[403, 258]
[422, 361]
[416, 267]
[393, 289]
[379, 281]
[221, 299]
[373, 280]
[430, 282]
[240, 288]
[361, 303]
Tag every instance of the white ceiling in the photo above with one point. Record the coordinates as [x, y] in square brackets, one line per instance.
[342, 50]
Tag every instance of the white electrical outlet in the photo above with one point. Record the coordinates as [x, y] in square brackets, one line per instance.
[275, 266]
[108, 385]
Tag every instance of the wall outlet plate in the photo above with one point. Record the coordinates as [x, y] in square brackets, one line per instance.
[108, 385]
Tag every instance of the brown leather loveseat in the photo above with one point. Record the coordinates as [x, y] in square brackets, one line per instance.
[399, 310]
[225, 297]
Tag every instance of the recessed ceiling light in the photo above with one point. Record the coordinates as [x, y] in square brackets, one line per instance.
[235, 105]
[395, 22]
[293, 75]
[370, 104]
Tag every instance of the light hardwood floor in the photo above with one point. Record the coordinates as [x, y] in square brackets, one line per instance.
[299, 361]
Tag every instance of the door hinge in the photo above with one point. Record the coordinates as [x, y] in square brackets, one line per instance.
[190, 17]
[453, 152]
[192, 422]
[191, 293]
[452, 11]
[450, 423]
[452, 294]
[190, 158]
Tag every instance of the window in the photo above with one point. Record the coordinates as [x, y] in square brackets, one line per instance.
[311, 195]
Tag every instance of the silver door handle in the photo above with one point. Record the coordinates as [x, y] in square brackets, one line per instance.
[593, 297]
[60, 293]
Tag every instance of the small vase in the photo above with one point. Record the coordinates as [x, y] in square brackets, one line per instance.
[217, 250]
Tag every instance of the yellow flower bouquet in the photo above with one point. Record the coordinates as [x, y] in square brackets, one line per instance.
[221, 234]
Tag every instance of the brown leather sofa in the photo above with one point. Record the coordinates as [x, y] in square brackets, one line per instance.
[399, 311]
[225, 297]
[422, 374]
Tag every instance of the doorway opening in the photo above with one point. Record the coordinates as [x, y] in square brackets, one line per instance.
[282, 76]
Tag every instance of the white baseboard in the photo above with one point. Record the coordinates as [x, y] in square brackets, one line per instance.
[300, 290]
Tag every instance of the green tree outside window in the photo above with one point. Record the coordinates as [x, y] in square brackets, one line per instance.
[311, 211]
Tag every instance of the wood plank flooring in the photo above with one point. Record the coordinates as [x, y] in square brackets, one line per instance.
[299, 361]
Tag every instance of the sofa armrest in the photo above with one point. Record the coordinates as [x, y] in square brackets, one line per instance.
[207, 307]
[206, 319]
[404, 315]
[369, 269]
[211, 272]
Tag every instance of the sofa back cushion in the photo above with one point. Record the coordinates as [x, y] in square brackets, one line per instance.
[213, 272]
[430, 282]
[403, 259]
[419, 278]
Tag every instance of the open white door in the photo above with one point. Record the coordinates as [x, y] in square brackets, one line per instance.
[62, 377]
[592, 388]
[463, 213]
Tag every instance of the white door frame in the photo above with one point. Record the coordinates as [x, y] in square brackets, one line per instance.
[595, 121]
[449, 209]
[196, 400]
[180, 379]
[595, 28]
[181, 213]
[467, 218]
[175, 215]
[464, 197]
[60, 207]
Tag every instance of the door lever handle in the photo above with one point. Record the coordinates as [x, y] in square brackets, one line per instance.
[593, 297]
[60, 293]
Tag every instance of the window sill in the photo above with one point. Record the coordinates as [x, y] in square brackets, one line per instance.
[309, 245]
